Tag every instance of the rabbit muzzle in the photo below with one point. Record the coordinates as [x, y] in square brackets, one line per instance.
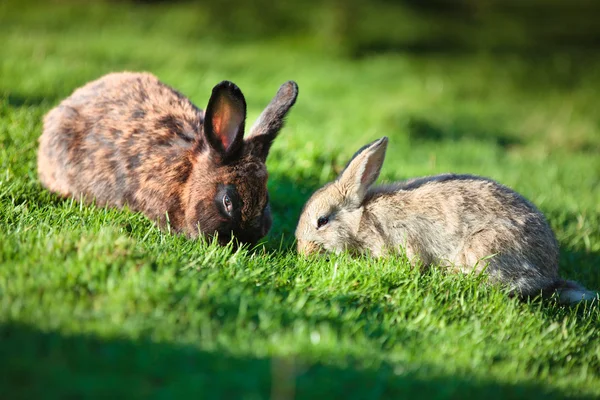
[307, 248]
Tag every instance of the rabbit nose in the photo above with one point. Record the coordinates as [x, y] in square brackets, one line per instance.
[307, 247]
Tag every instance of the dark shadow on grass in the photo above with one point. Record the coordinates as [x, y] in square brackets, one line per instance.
[288, 196]
[18, 100]
[576, 262]
[456, 48]
[581, 266]
[423, 129]
[36, 364]
[287, 200]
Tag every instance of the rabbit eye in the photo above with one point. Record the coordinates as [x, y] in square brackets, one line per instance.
[322, 221]
[227, 204]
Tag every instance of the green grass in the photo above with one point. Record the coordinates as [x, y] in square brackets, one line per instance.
[98, 301]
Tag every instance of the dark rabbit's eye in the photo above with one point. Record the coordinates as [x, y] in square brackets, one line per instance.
[322, 221]
[227, 204]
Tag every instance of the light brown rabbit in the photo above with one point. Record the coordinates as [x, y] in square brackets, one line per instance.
[129, 139]
[463, 222]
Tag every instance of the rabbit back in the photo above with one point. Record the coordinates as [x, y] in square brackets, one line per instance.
[469, 223]
[125, 138]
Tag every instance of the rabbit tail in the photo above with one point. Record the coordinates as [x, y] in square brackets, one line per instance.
[571, 293]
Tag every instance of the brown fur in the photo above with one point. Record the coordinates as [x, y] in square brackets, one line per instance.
[129, 139]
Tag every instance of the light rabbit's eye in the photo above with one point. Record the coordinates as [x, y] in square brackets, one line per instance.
[322, 221]
[227, 204]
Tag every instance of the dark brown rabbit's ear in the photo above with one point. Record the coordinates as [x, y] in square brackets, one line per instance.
[271, 120]
[224, 120]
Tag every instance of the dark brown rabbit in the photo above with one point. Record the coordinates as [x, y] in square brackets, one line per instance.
[129, 139]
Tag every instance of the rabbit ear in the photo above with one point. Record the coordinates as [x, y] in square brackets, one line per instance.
[362, 171]
[224, 119]
[271, 120]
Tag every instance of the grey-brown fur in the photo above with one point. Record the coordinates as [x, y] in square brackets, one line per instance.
[129, 139]
[455, 221]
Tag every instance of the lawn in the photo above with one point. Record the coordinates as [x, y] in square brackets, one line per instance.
[98, 302]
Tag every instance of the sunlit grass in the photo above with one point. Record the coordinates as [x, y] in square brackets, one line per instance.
[99, 301]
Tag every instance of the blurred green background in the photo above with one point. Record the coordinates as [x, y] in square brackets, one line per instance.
[100, 302]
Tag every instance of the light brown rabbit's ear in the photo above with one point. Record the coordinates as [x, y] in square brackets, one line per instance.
[271, 120]
[362, 171]
[224, 120]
